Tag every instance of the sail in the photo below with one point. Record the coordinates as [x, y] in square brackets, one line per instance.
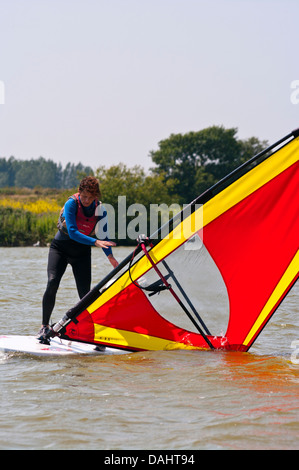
[246, 231]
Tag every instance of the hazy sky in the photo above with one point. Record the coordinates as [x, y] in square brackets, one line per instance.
[103, 81]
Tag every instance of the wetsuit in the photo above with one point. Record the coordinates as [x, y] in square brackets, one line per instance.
[72, 248]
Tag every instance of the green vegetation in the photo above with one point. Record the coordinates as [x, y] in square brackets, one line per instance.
[40, 172]
[185, 166]
[28, 216]
[191, 163]
[21, 228]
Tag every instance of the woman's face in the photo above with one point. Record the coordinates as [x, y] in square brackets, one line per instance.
[86, 198]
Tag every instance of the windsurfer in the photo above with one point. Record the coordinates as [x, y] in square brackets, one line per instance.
[72, 245]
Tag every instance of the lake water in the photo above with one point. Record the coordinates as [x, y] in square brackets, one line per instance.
[147, 400]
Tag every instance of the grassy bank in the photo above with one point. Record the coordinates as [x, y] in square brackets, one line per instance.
[29, 216]
[23, 228]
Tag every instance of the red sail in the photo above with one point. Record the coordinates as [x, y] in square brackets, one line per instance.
[258, 242]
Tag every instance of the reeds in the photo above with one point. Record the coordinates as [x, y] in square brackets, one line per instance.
[24, 222]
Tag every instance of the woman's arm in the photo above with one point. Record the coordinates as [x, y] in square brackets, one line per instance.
[70, 210]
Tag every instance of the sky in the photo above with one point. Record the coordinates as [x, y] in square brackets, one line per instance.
[104, 81]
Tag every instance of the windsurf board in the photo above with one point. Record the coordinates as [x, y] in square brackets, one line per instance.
[57, 346]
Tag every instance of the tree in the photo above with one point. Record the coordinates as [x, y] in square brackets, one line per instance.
[251, 147]
[8, 169]
[129, 194]
[134, 183]
[191, 163]
[72, 174]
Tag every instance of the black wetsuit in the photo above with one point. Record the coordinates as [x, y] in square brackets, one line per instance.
[64, 251]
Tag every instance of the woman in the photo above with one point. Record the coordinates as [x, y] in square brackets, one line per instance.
[72, 245]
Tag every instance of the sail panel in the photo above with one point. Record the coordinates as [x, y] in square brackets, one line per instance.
[129, 321]
[253, 244]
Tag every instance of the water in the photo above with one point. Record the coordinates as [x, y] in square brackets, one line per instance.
[147, 400]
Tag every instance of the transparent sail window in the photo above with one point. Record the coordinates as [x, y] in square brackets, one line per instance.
[197, 282]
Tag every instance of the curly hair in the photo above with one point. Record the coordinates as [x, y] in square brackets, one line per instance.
[90, 184]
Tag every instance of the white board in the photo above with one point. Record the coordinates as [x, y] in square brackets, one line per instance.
[57, 347]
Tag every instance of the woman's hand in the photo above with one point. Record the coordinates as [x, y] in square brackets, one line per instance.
[113, 261]
[104, 244]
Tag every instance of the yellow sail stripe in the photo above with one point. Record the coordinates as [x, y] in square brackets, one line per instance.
[219, 204]
[286, 280]
[115, 337]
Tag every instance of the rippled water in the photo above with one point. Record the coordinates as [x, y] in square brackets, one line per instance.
[147, 400]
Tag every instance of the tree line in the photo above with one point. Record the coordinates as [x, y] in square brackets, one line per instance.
[39, 172]
[185, 165]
